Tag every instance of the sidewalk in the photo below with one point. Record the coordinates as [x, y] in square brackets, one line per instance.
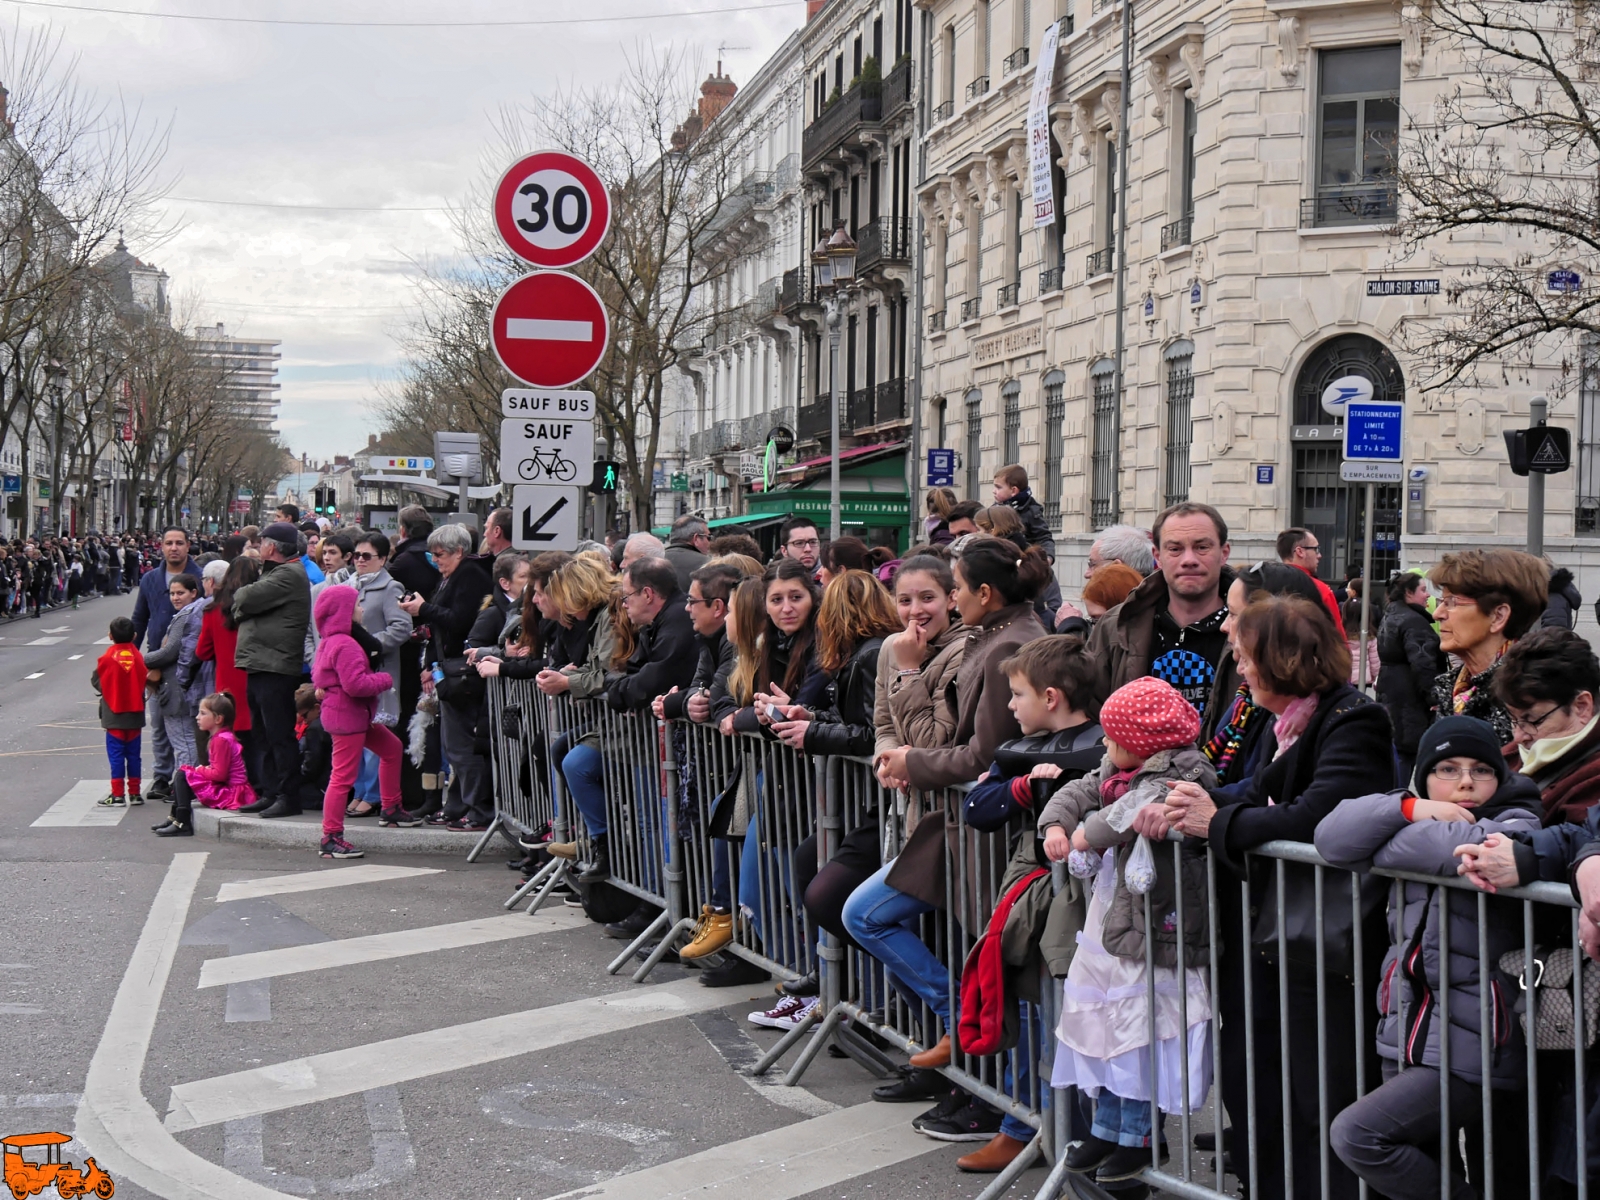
[305, 833]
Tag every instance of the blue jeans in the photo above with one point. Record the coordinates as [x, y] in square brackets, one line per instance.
[721, 850]
[884, 922]
[585, 774]
[1125, 1122]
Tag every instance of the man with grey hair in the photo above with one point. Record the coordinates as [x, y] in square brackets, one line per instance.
[273, 615]
[1126, 544]
[688, 547]
[641, 545]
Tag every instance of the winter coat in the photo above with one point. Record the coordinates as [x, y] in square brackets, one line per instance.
[1570, 786]
[1561, 610]
[119, 678]
[381, 615]
[666, 654]
[175, 655]
[272, 614]
[1034, 525]
[982, 701]
[410, 566]
[1410, 660]
[217, 645]
[685, 560]
[489, 628]
[1371, 831]
[454, 608]
[810, 693]
[1479, 700]
[152, 610]
[351, 688]
[1007, 789]
[717, 656]
[1078, 804]
[844, 724]
[918, 709]
[1122, 643]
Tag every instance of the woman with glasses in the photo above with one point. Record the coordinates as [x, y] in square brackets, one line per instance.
[380, 614]
[1409, 660]
[1489, 599]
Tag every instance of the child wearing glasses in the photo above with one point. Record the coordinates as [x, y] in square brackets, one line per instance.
[1462, 792]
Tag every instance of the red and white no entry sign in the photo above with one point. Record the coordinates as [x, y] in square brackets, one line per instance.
[551, 209]
[549, 329]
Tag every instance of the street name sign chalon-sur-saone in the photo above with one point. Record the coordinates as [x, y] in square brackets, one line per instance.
[550, 330]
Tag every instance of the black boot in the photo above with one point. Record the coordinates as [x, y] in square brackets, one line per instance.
[598, 870]
[176, 828]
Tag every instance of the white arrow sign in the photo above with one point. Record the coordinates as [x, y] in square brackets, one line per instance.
[546, 450]
[546, 518]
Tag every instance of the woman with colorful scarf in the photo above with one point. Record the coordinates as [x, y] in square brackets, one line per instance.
[1489, 599]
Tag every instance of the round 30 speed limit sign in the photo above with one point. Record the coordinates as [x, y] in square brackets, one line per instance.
[551, 209]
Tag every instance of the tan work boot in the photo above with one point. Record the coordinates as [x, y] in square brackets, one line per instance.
[713, 933]
[566, 850]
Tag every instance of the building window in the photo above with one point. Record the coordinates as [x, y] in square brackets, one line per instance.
[950, 65]
[1180, 418]
[1587, 517]
[1103, 448]
[1055, 419]
[985, 32]
[941, 411]
[1358, 132]
[974, 452]
[1011, 397]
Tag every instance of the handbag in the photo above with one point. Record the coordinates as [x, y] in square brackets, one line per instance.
[1552, 980]
[1300, 923]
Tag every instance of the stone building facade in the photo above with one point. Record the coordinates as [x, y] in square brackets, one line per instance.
[1260, 268]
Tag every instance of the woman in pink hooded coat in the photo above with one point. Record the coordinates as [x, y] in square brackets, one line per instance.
[349, 691]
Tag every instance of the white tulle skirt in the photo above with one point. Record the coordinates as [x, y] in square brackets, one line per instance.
[1104, 1030]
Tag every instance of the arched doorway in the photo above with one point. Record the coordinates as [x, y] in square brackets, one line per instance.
[1323, 503]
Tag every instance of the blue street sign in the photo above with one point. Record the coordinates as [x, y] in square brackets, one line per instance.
[13, 485]
[941, 468]
[1563, 281]
[1263, 473]
[1373, 431]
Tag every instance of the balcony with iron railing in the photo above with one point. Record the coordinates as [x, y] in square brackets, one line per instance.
[797, 290]
[813, 421]
[858, 413]
[971, 308]
[1178, 233]
[741, 200]
[1008, 295]
[1360, 204]
[1016, 60]
[1049, 280]
[891, 402]
[866, 103]
[944, 111]
[753, 430]
[1099, 263]
[936, 321]
[977, 87]
[885, 239]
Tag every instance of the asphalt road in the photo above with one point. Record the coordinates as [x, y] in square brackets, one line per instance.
[494, 1058]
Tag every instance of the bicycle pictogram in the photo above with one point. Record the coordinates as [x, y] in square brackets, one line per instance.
[548, 462]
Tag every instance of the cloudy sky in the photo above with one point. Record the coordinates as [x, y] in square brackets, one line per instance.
[384, 126]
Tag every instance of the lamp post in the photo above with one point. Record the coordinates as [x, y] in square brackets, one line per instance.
[834, 261]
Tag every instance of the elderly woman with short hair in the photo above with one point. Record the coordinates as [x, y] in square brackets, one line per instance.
[464, 583]
[1489, 598]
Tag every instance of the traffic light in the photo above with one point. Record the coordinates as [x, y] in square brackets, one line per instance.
[605, 477]
[323, 501]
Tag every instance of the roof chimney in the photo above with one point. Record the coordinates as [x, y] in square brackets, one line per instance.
[813, 7]
[716, 93]
[372, 440]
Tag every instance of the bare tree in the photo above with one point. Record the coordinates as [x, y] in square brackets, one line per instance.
[1500, 184]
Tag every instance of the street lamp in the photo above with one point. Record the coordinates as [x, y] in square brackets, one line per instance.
[834, 261]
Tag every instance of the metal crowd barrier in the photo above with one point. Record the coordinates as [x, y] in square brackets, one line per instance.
[668, 783]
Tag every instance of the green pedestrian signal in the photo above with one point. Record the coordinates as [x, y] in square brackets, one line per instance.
[605, 477]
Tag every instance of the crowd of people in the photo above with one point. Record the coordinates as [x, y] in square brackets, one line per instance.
[40, 573]
[1182, 695]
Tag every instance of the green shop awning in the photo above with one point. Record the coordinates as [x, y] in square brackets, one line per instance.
[855, 508]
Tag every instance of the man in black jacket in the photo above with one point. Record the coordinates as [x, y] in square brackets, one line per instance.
[687, 545]
[510, 574]
[409, 564]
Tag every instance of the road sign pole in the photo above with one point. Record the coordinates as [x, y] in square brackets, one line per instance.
[1366, 586]
[1539, 410]
[835, 317]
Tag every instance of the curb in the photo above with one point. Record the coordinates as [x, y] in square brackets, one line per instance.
[305, 833]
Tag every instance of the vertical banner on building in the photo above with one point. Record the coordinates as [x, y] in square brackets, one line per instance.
[1044, 77]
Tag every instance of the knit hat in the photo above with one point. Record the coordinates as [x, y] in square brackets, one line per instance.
[1457, 737]
[1149, 715]
[280, 531]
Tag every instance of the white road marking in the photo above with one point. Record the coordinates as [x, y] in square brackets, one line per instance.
[81, 808]
[535, 329]
[320, 1077]
[114, 1119]
[35, 675]
[783, 1163]
[46, 641]
[19, 1010]
[74, 657]
[312, 881]
[58, 629]
[105, 641]
[319, 956]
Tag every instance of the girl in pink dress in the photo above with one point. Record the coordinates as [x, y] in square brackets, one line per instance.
[223, 784]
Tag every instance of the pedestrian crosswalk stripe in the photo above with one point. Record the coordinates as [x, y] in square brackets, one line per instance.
[320, 1077]
[81, 808]
[794, 1160]
[45, 641]
[313, 881]
[319, 956]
